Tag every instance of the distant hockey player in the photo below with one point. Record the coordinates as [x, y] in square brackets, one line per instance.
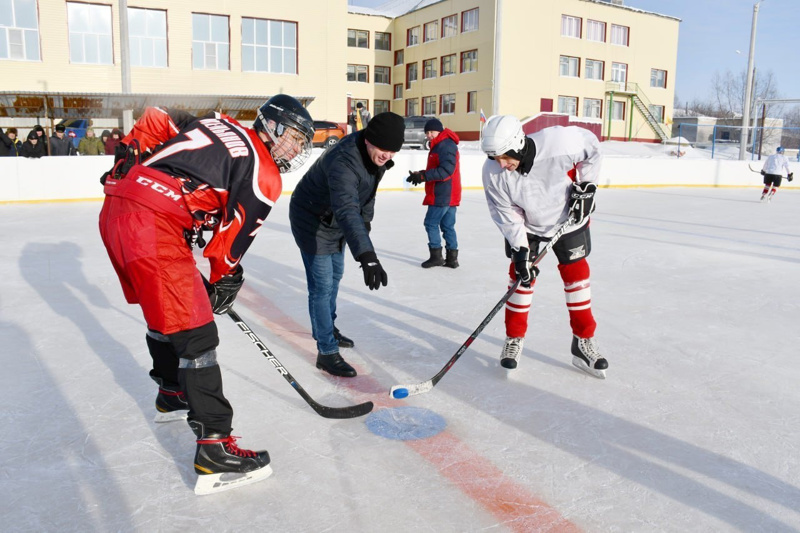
[206, 173]
[773, 173]
[532, 185]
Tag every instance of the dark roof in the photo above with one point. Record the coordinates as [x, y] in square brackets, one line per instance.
[110, 105]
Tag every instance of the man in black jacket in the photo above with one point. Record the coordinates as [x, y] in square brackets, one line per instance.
[60, 143]
[333, 204]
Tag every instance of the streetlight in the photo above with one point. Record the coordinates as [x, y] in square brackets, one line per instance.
[747, 93]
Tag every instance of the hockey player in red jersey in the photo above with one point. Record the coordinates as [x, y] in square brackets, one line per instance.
[197, 173]
[533, 184]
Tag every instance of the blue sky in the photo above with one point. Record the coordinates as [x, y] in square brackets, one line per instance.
[712, 30]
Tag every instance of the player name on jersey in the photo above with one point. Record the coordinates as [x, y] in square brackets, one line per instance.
[230, 139]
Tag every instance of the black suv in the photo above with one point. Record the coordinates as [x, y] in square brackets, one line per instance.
[415, 132]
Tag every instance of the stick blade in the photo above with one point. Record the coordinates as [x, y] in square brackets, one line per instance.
[340, 413]
[402, 391]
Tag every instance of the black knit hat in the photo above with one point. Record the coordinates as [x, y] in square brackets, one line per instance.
[434, 124]
[386, 131]
[61, 127]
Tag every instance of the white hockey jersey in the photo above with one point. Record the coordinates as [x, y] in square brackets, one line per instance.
[775, 164]
[539, 201]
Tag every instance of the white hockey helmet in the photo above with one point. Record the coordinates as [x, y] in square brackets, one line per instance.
[502, 134]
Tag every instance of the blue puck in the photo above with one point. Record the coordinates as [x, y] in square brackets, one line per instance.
[405, 423]
[400, 393]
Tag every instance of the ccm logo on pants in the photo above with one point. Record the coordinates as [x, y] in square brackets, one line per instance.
[159, 188]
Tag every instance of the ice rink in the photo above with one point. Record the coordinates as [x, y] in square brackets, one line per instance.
[697, 427]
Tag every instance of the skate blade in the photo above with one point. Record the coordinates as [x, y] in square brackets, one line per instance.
[577, 362]
[213, 483]
[170, 416]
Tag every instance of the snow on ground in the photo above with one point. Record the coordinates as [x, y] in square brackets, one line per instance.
[695, 294]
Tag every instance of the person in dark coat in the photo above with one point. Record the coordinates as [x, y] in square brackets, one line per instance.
[10, 146]
[60, 144]
[333, 205]
[33, 147]
[442, 179]
[113, 141]
[42, 136]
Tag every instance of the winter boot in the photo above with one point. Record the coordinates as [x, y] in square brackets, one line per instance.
[344, 342]
[435, 259]
[586, 356]
[511, 352]
[452, 259]
[336, 366]
[221, 465]
[171, 403]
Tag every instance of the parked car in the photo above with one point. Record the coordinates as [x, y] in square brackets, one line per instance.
[327, 133]
[415, 132]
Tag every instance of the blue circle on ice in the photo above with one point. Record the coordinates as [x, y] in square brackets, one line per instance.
[405, 423]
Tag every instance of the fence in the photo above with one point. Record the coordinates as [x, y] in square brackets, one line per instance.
[723, 141]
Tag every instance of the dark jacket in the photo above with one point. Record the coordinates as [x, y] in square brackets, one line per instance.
[334, 202]
[443, 173]
[112, 143]
[9, 147]
[62, 146]
[29, 150]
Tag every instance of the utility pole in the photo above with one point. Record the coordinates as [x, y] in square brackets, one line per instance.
[125, 61]
[748, 85]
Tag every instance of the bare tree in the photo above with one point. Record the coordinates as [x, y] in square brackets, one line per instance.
[728, 92]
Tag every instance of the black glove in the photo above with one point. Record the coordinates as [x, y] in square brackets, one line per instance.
[374, 274]
[763, 173]
[415, 178]
[523, 266]
[790, 177]
[223, 292]
[582, 200]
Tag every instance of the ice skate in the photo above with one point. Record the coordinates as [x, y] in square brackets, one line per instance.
[171, 405]
[221, 465]
[586, 356]
[511, 352]
[763, 197]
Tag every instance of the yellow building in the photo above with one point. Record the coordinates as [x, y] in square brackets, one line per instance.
[591, 59]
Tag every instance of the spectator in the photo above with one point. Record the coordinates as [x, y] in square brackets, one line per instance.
[442, 179]
[60, 144]
[104, 137]
[10, 146]
[333, 204]
[42, 136]
[113, 141]
[360, 117]
[91, 145]
[33, 147]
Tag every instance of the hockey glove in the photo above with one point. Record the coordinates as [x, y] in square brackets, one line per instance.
[374, 274]
[523, 266]
[790, 177]
[582, 201]
[763, 173]
[223, 292]
[415, 178]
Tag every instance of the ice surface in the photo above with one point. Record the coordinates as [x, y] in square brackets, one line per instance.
[695, 429]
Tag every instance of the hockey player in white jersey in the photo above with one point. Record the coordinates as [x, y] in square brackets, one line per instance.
[533, 184]
[773, 173]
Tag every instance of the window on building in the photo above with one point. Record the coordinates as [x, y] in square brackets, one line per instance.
[617, 110]
[358, 73]
[469, 20]
[383, 41]
[568, 105]
[89, 33]
[269, 46]
[570, 26]
[658, 78]
[210, 42]
[412, 107]
[411, 74]
[472, 101]
[594, 69]
[428, 69]
[449, 26]
[430, 31]
[448, 104]
[398, 57]
[147, 30]
[568, 66]
[619, 35]
[412, 36]
[469, 61]
[596, 31]
[428, 105]
[619, 72]
[358, 38]
[658, 112]
[398, 91]
[448, 65]
[383, 75]
[19, 30]
[381, 106]
[592, 107]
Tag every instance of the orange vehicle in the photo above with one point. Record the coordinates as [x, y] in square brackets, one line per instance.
[327, 133]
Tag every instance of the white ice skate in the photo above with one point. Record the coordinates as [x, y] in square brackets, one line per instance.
[511, 352]
[586, 356]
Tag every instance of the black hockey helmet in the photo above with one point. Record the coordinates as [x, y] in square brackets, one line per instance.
[278, 114]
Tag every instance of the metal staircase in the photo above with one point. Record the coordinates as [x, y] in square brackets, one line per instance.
[641, 102]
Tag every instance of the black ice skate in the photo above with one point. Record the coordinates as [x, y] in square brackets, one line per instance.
[171, 405]
[221, 465]
[511, 352]
[586, 356]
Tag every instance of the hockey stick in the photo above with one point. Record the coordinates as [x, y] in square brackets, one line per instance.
[353, 411]
[401, 391]
[752, 169]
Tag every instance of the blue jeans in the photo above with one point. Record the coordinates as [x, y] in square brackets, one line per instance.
[443, 217]
[323, 273]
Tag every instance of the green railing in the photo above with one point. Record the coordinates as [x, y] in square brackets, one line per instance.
[640, 101]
